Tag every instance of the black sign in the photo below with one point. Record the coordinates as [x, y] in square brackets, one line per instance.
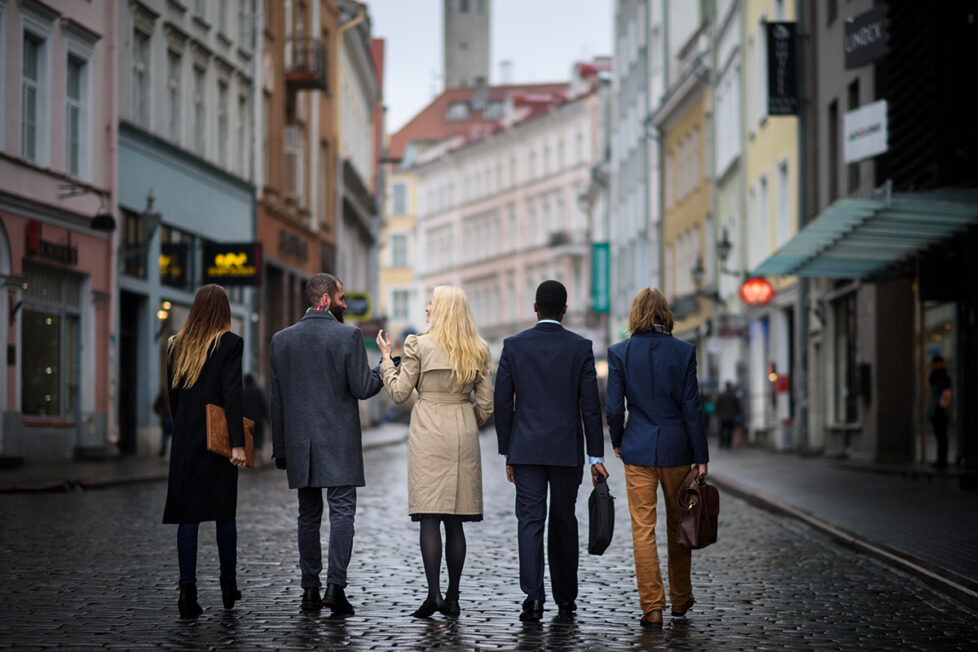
[782, 65]
[173, 264]
[866, 37]
[232, 263]
[60, 253]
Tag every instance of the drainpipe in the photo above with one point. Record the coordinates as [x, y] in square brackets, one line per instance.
[801, 325]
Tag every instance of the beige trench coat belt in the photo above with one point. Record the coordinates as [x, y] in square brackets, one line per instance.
[443, 397]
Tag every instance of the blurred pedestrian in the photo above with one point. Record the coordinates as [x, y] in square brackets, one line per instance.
[256, 409]
[318, 372]
[730, 413]
[445, 365]
[547, 413]
[161, 406]
[656, 374]
[940, 400]
[204, 366]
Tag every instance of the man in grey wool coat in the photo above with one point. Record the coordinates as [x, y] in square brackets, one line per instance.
[319, 371]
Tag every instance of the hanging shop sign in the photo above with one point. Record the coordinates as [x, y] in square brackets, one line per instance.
[756, 291]
[38, 246]
[232, 263]
[782, 69]
[292, 245]
[865, 132]
[600, 277]
[358, 307]
[866, 37]
[173, 263]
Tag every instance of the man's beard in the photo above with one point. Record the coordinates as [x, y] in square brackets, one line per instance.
[337, 312]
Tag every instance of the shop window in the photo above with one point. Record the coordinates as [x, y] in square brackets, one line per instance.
[176, 257]
[49, 336]
[133, 248]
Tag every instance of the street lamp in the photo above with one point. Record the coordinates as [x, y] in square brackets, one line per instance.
[697, 273]
[724, 246]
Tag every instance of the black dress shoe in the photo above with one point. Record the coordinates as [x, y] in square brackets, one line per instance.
[336, 600]
[532, 611]
[311, 600]
[566, 609]
[187, 603]
[230, 593]
[429, 607]
[450, 608]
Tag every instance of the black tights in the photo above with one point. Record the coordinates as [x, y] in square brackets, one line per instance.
[431, 553]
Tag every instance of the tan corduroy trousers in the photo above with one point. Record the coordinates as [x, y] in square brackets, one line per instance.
[642, 483]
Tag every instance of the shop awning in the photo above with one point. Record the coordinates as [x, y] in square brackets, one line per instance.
[867, 238]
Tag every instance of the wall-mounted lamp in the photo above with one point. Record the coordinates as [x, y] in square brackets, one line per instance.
[103, 220]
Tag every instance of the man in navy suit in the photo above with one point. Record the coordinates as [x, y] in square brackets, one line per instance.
[546, 406]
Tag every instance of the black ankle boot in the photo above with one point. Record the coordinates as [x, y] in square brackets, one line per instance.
[189, 608]
[230, 592]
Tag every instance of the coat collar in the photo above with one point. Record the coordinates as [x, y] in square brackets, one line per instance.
[312, 313]
[548, 327]
[652, 333]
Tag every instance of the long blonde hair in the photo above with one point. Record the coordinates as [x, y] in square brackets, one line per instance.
[452, 326]
[188, 350]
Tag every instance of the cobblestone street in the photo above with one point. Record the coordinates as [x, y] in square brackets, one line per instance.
[96, 569]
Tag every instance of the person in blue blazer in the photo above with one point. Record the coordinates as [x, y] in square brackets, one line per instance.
[655, 373]
[546, 405]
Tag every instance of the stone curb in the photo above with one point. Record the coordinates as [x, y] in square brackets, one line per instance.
[86, 484]
[957, 587]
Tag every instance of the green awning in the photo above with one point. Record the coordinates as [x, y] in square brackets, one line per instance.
[866, 238]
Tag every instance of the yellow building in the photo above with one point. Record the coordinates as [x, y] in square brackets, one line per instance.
[400, 298]
[771, 175]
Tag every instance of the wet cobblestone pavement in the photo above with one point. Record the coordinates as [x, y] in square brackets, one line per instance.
[96, 569]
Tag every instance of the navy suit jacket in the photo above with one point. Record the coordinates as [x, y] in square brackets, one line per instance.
[656, 373]
[546, 398]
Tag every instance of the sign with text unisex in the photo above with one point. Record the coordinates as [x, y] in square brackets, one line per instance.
[782, 69]
[865, 38]
[232, 263]
[864, 132]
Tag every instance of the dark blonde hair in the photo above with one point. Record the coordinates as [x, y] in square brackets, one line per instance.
[209, 319]
[649, 308]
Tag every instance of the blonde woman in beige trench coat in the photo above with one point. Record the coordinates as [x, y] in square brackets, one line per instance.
[445, 365]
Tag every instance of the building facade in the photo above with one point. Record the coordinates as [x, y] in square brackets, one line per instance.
[186, 87]
[57, 252]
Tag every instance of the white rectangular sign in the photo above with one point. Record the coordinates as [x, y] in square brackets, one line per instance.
[865, 132]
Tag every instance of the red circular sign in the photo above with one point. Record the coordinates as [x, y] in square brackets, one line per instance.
[756, 291]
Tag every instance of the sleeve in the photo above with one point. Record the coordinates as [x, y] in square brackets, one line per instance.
[231, 387]
[363, 381]
[277, 412]
[483, 397]
[590, 405]
[614, 403]
[693, 414]
[400, 380]
[503, 402]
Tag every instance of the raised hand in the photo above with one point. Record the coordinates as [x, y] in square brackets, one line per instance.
[384, 344]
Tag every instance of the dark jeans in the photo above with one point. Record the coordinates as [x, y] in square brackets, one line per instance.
[342, 508]
[531, 512]
[227, 544]
[939, 420]
[726, 432]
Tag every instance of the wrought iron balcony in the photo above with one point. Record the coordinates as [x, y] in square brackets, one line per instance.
[305, 63]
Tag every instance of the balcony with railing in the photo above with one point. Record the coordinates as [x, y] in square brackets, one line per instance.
[305, 63]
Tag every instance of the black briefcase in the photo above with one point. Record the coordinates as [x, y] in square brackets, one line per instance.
[601, 511]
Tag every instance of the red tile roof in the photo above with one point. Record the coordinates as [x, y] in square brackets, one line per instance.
[432, 123]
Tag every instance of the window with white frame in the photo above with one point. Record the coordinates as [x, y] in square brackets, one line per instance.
[764, 216]
[174, 65]
[244, 144]
[200, 110]
[694, 160]
[399, 199]
[781, 204]
[400, 304]
[222, 123]
[668, 180]
[140, 78]
[399, 250]
[75, 116]
[32, 93]
[728, 117]
[243, 24]
[294, 163]
[222, 16]
[754, 251]
[200, 7]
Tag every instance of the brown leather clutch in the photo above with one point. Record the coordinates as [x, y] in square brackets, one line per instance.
[218, 439]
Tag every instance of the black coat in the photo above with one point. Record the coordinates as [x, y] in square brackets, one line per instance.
[203, 486]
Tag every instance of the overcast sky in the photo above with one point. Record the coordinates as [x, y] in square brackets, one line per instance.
[542, 38]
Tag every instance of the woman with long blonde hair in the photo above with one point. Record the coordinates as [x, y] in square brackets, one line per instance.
[445, 365]
[204, 366]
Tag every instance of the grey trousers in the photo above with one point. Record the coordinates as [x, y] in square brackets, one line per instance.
[342, 508]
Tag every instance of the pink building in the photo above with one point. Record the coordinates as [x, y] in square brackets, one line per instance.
[499, 208]
[57, 260]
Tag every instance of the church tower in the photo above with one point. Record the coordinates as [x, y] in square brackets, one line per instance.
[466, 42]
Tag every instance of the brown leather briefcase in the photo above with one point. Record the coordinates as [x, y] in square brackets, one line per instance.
[700, 504]
[218, 438]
